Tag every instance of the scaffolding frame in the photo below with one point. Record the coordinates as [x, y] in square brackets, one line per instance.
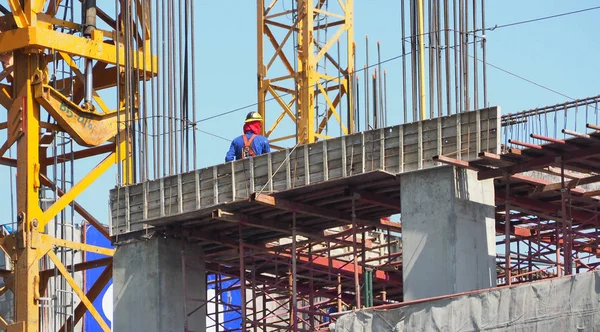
[546, 190]
[295, 256]
[299, 294]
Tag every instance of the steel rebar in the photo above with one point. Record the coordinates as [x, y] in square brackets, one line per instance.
[438, 57]
[475, 61]
[382, 121]
[404, 101]
[366, 93]
[447, 58]
[413, 54]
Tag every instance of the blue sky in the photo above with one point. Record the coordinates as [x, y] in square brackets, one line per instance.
[559, 53]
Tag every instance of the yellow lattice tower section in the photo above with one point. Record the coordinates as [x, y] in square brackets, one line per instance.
[305, 60]
[30, 40]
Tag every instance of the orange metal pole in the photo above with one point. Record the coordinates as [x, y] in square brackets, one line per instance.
[507, 232]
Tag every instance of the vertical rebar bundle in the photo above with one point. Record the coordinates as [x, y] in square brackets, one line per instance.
[160, 112]
[443, 62]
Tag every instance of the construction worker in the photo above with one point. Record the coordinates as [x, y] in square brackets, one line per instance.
[251, 143]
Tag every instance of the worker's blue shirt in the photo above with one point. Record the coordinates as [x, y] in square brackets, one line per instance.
[260, 145]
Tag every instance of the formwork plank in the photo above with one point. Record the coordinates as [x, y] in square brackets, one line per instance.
[396, 149]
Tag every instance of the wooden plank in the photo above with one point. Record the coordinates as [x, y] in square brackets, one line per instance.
[401, 148]
[306, 166]
[325, 162]
[344, 158]
[270, 170]
[458, 135]
[215, 186]
[363, 151]
[495, 159]
[127, 209]
[382, 149]
[288, 170]
[455, 162]
[252, 183]
[310, 210]
[439, 137]
[162, 197]
[420, 146]
[198, 200]
[145, 190]
[478, 131]
[233, 187]
[179, 194]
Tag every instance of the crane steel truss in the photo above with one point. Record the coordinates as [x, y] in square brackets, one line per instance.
[32, 35]
[302, 51]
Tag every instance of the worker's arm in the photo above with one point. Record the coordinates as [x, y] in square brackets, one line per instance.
[267, 147]
[230, 156]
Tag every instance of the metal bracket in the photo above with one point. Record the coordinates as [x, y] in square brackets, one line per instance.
[86, 127]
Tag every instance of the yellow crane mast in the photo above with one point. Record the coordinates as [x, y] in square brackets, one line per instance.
[31, 37]
[316, 88]
[307, 70]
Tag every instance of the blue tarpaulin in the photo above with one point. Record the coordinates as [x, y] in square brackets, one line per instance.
[231, 318]
[103, 302]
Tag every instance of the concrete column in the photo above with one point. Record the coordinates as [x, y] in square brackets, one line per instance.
[448, 232]
[148, 287]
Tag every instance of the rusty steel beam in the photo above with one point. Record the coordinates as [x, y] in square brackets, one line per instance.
[593, 126]
[517, 231]
[571, 184]
[556, 171]
[540, 162]
[592, 193]
[311, 210]
[390, 224]
[236, 218]
[576, 134]
[543, 185]
[5, 273]
[269, 224]
[525, 144]
[514, 152]
[375, 199]
[337, 265]
[279, 283]
[455, 162]
[8, 162]
[548, 139]
[543, 207]
[501, 159]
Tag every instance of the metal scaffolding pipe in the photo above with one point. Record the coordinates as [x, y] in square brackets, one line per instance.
[421, 34]
[89, 81]
[89, 19]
